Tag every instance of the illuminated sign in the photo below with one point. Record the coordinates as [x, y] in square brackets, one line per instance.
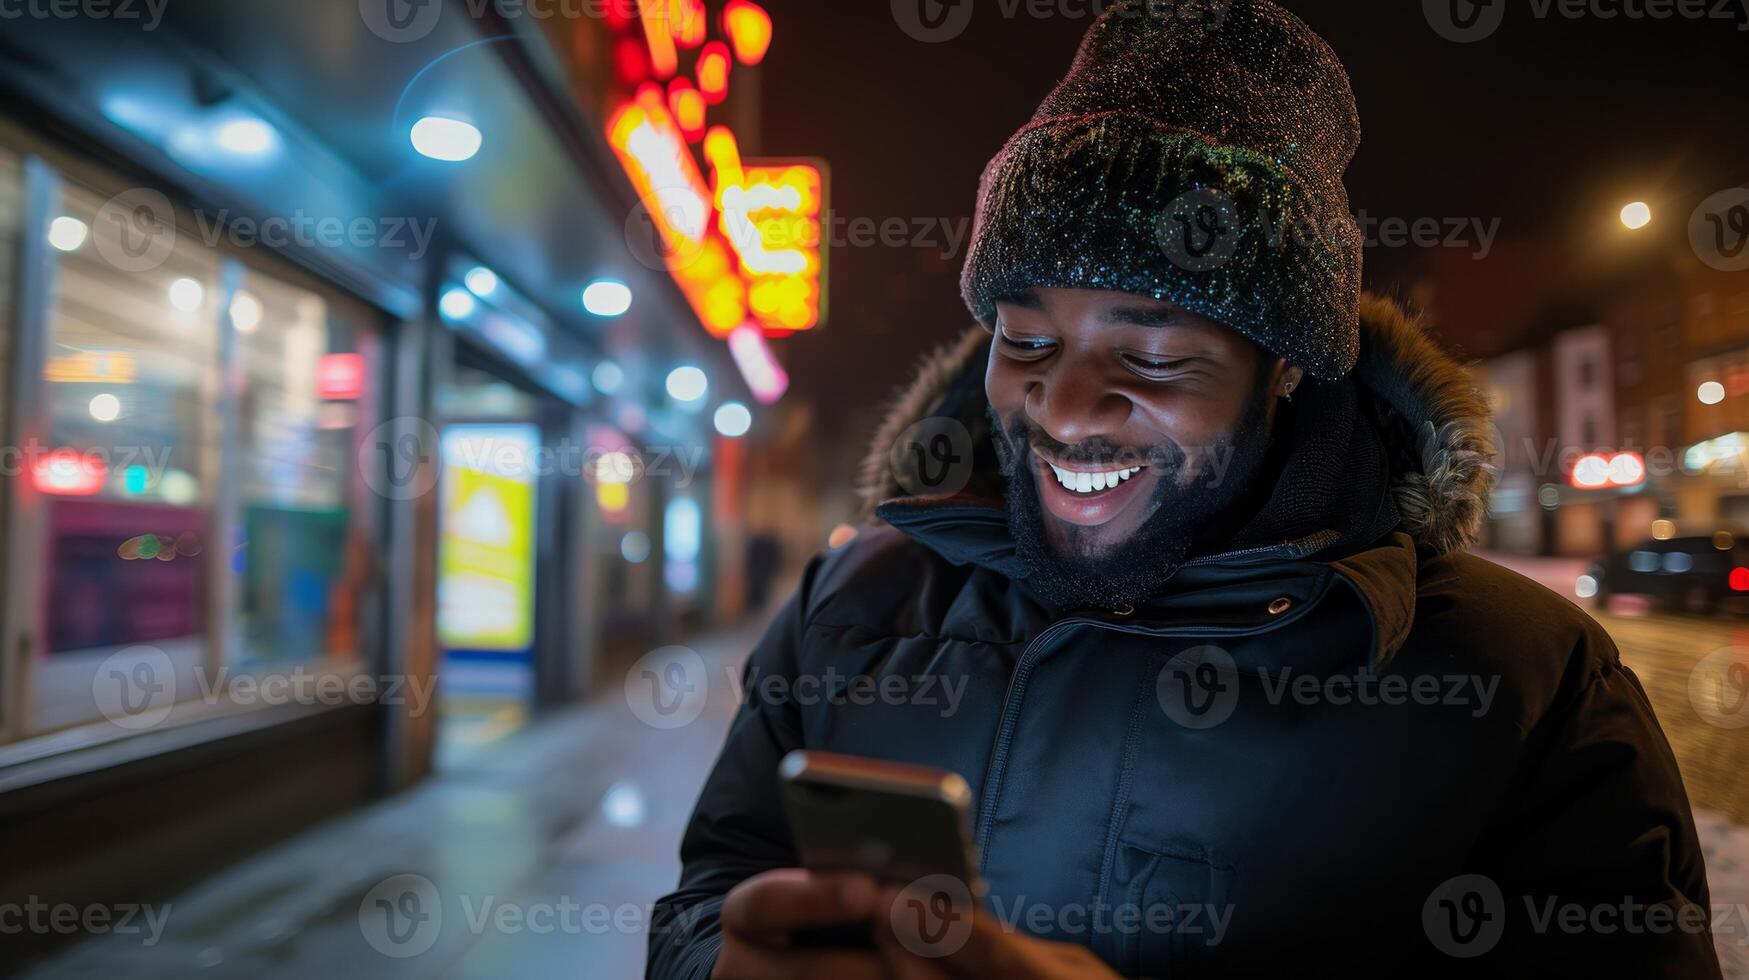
[687, 22]
[485, 591]
[764, 376]
[65, 473]
[653, 151]
[773, 218]
[714, 63]
[688, 106]
[746, 247]
[1596, 471]
[91, 367]
[340, 377]
[664, 59]
[748, 27]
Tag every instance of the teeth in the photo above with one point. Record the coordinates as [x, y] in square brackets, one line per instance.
[1092, 482]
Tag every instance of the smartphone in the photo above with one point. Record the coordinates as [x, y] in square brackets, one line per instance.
[896, 822]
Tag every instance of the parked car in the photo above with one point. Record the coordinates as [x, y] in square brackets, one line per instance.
[1703, 572]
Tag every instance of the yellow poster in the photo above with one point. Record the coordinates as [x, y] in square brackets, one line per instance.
[485, 590]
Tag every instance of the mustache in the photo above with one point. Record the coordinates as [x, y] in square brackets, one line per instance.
[1024, 437]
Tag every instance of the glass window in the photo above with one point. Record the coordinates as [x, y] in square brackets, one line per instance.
[196, 506]
[301, 558]
[124, 471]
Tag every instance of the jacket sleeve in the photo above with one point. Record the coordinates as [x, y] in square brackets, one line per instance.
[738, 828]
[1599, 865]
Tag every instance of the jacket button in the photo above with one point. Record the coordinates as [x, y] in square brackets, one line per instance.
[1280, 605]
[1124, 610]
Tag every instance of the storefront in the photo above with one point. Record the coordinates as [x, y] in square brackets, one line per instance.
[300, 419]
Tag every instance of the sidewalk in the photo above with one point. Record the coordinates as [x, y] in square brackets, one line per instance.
[536, 857]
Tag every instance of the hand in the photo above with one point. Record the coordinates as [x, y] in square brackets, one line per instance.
[760, 913]
[990, 949]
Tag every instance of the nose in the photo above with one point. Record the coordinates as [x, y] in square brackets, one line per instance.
[1073, 404]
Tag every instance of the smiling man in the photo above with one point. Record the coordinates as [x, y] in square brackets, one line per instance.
[1236, 701]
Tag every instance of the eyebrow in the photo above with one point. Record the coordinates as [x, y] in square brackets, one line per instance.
[1026, 300]
[1143, 316]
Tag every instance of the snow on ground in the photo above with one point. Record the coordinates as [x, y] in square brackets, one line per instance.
[1726, 846]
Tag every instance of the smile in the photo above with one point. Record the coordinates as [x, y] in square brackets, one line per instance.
[1092, 497]
[1087, 483]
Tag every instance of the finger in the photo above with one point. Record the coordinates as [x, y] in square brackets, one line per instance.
[902, 963]
[744, 961]
[774, 903]
[987, 948]
[992, 947]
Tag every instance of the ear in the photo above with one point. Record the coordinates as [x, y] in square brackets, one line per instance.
[1291, 378]
[1287, 378]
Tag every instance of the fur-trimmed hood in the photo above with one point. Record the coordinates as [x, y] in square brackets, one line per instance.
[1440, 475]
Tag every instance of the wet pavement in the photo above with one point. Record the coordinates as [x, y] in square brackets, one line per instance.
[535, 856]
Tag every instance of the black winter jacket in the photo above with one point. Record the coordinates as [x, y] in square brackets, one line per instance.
[1340, 746]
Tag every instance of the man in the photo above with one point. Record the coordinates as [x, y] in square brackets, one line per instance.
[1233, 699]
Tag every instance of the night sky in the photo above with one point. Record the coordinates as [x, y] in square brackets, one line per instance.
[1549, 125]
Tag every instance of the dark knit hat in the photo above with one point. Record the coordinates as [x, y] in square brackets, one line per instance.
[1194, 154]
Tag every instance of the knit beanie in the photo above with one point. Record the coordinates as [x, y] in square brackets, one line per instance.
[1194, 154]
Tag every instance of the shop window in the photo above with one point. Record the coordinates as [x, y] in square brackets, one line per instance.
[300, 558]
[194, 513]
[121, 480]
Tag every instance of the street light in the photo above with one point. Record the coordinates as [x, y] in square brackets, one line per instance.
[1636, 215]
[449, 140]
[687, 384]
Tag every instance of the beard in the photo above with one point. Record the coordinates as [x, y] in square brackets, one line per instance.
[1187, 499]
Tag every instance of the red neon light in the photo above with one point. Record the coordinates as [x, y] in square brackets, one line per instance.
[688, 106]
[65, 473]
[757, 364]
[340, 377]
[748, 27]
[618, 14]
[1627, 469]
[653, 151]
[714, 63]
[1595, 470]
[686, 22]
[664, 60]
[631, 60]
[1590, 472]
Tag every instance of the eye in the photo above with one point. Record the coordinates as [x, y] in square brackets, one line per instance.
[1157, 367]
[1025, 348]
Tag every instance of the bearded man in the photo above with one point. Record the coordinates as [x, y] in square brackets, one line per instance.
[1198, 563]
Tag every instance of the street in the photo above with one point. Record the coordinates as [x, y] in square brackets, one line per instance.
[1699, 684]
[1696, 672]
[1686, 666]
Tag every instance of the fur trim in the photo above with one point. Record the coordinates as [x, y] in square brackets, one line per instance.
[877, 482]
[1446, 441]
[1443, 502]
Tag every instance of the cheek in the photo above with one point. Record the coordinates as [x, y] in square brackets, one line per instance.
[1196, 423]
[1005, 387]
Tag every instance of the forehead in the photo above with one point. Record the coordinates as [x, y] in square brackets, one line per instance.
[1070, 308]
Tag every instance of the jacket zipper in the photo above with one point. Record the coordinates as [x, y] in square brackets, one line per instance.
[1023, 668]
[1287, 549]
[1017, 682]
